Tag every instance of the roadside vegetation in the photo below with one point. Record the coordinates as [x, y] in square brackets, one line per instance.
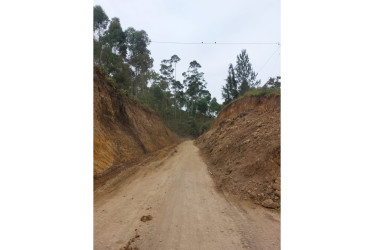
[186, 107]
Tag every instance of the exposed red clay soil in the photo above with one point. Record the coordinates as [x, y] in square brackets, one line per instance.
[242, 149]
[124, 131]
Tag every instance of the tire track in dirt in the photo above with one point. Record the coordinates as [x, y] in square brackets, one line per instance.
[186, 210]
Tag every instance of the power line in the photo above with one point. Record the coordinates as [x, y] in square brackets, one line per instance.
[269, 59]
[202, 43]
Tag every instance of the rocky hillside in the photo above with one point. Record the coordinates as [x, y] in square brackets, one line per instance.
[242, 149]
[124, 131]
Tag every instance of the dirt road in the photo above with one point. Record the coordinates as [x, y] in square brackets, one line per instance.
[187, 211]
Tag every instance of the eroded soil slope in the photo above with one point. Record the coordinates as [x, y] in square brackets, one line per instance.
[124, 131]
[242, 149]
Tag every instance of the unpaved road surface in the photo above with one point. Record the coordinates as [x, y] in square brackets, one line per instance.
[187, 211]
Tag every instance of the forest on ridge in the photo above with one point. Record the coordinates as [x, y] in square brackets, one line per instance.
[186, 107]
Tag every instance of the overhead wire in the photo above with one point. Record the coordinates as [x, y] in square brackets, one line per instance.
[202, 43]
[269, 59]
[273, 66]
[214, 43]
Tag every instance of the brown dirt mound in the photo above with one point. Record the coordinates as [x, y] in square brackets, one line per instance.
[124, 131]
[242, 149]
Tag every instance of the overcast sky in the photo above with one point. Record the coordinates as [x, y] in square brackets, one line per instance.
[229, 21]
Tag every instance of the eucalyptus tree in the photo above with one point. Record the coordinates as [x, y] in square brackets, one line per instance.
[214, 107]
[101, 20]
[113, 52]
[139, 58]
[176, 86]
[175, 59]
[100, 24]
[166, 72]
[195, 84]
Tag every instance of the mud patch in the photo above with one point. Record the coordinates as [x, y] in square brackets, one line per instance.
[146, 218]
[132, 240]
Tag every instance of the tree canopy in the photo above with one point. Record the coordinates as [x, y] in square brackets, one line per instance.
[185, 105]
[246, 76]
[125, 56]
[242, 78]
[100, 19]
[230, 89]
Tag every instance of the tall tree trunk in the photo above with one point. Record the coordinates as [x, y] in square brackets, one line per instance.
[175, 105]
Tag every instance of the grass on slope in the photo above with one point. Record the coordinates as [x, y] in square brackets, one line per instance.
[263, 91]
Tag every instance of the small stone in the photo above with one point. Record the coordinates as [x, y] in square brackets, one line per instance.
[252, 194]
[276, 186]
[269, 203]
